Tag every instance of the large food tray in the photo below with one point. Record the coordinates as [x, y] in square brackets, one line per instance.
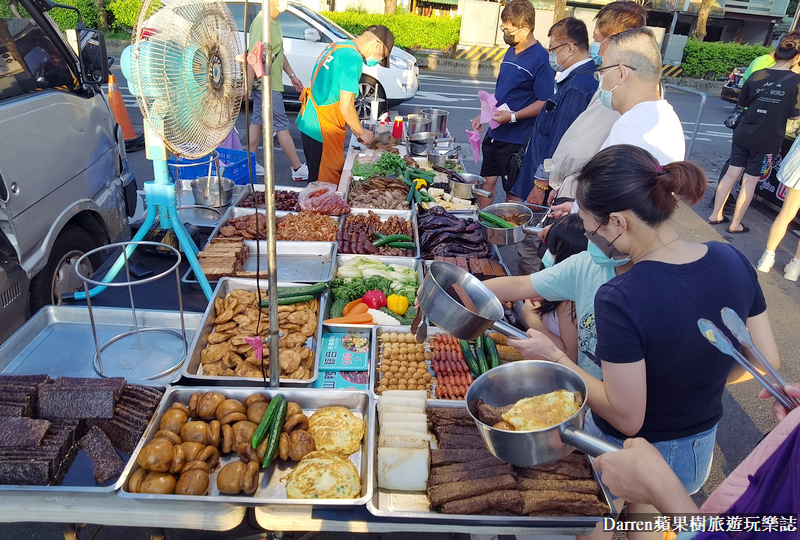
[271, 489]
[58, 340]
[416, 506]
[407, 262]
[353, 183]
[191, 368]
[301, 262]
[235, 212]
[384, 215]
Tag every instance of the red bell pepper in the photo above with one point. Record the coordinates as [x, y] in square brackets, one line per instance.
[374, 299]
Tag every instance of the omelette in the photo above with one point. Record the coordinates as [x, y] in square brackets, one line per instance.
[323, 475]
[542, 412]
[337, 429]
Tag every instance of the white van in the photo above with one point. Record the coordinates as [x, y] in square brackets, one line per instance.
[65, 185]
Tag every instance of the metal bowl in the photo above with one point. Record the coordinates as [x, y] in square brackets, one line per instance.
[422, 143]
[503, 237]
[417, 123]
[206, 191]
[470, 188]
[444, 157]
[507, 384]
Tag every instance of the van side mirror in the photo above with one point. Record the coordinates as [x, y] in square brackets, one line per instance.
[92, 55]
[311, 34]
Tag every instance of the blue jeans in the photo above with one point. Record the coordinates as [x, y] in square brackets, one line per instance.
[689, 457]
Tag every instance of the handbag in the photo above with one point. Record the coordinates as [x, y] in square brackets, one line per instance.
[514, 166]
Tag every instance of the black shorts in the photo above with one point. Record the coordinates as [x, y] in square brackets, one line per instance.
[496, 155]
[754, 163]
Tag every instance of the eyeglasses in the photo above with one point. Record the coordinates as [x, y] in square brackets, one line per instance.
[553, 49]
[506, 32]
[598, 73]
[606, 246]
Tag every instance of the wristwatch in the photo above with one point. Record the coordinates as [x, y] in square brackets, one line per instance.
[513, 117]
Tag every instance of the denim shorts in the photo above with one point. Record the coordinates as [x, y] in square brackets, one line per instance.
[689, 457]
[280, 121]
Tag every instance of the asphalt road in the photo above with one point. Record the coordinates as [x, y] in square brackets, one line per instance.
[745, 419]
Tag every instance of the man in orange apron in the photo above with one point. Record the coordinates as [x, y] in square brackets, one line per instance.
[328, 103]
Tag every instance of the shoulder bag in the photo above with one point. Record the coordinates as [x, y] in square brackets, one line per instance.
[735, 117]
[514, 165]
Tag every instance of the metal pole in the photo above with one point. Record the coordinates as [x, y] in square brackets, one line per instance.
[269, 195]
[703, 98]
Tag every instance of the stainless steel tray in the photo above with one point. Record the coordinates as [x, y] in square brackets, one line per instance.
[416, 506]
[189, 212]
[192, 366]
[302, 262]
[58, 340]
[353, 183]
[260, 187]
[271, 490]
[385, 215]
[408, 262]
[235, 212]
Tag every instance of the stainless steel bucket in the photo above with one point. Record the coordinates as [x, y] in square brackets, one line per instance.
[503, 237]
[416, 123]
[507, 384]
[471, 188]
[438, 118]
[206, 191]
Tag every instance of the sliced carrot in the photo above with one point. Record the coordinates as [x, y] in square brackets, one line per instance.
[361, 318]
[350, 306]
[359, 309]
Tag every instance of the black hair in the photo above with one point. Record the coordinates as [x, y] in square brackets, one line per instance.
[574, 30]
[788, 47]
[564, 240]
[626, 177]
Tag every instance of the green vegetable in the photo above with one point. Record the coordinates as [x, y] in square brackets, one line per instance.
[403, 245]
[425, 196]
[296, 291]
[496, 220]
[417, 196]
[419, 173]
[288, 300]
[483, 364]
[469, 357]
[490, 349]
[362, 169]
[392, 238]
[388, 163]
[406, 319]
[266, 421]
[362, 274]
[275, 433]
[337, 308]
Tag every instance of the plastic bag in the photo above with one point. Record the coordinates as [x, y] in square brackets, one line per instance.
[321, 197]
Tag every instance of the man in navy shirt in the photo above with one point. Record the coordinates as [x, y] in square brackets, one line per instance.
[524, 83]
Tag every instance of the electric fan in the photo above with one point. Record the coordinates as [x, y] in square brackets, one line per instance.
[182, 68]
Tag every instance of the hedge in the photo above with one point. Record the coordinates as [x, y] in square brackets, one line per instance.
[410, 31]
[126, 13]
[715, 60]
[64, 18]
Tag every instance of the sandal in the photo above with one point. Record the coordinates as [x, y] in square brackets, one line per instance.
[745, 229]
[724, 219]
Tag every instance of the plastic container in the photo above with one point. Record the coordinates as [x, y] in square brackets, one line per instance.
[232, 162]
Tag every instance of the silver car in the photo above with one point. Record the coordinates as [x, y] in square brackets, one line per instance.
[306, 33]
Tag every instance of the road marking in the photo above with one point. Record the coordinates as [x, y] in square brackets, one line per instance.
[444, 96]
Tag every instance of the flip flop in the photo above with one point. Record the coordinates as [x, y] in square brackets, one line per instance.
[724, 219]
[745, 229]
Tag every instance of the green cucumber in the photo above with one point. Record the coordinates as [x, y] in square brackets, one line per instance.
[417, 196]
[392, 238]
[483, 364]
[266, 421]
[426, 197]
[275, 434]
[402, 245]
[469, 357]
[297, 291]
[496, 220]
[288, 300]
[490, 348]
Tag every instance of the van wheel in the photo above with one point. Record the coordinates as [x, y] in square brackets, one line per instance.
[59, 276]
[366, 91]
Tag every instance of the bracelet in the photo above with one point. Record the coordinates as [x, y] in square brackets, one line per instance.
[563, 355]
[541, 185]
[292, 75]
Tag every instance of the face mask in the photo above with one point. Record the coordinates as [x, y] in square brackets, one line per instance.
[548, 259]
[605, 95]
[603, 252]
[553, 59]
[510, 40]
[370, 61]
[594, 50]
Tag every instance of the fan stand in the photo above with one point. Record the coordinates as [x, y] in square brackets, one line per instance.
[162, 200]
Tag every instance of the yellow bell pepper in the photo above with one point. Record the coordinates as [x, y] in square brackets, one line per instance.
[397, 304]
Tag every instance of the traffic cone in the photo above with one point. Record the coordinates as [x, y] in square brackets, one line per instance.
[119, 109]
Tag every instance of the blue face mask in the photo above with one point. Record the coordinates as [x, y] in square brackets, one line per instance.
[605, 95]
[601, 259]
[371, 62]
[548, 259]
[594, 51]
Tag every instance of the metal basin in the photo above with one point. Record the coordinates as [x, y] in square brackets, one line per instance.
[438, 118]
[206, 191]
[507, 384]
[469, 189]
[503, 237]
[444, 157]
[417, 123]
[422, 143]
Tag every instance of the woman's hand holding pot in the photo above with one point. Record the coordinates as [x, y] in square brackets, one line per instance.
[538, 347]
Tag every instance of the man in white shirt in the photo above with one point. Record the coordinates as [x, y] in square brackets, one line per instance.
[629, 84]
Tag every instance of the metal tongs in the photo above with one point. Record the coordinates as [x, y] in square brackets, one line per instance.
[770, 380]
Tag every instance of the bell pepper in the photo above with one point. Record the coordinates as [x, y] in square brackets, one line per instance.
[375, 299]
[397, 304]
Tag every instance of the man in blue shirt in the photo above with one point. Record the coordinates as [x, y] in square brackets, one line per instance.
[524, 83]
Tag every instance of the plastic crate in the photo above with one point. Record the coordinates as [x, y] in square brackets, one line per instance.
[232, 162]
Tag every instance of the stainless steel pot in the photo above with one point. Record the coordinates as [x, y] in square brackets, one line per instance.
[206, 191]
[422, 143]
[448, 313]
[471, 188]
[507, 384]
[444, 157]
[417, 123]
[438, 118]
[504, 237]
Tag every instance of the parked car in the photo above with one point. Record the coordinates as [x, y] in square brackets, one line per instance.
[306, 33]
[733, 86]
[65, 185]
